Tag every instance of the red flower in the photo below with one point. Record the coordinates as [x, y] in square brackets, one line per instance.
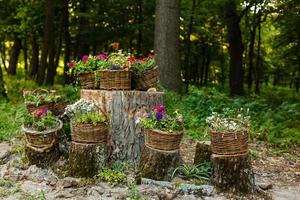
[71, 64]
[131, 58]
[84, 58]
[160, 108]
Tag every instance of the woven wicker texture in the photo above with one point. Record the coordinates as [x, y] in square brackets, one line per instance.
[115, 79]
[56, 108]
[229, 143]
[41, 139]
[160, 140]
[31, 108]
[87, 80]
[88, 133]
[146, 80]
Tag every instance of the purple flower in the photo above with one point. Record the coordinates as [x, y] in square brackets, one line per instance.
[71, 64]
[159, 115]
[102, 56]
[115, 67]
[84, 58]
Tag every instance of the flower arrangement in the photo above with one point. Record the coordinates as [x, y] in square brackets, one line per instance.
[90, 118]
[40, 120]
[158, 118]
[141, 65]
[41, 97]
[233, 123]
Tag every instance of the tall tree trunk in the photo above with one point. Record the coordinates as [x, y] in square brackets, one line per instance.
[236, 72]
[2, 89]
[34, 60]
[298, 77]
[25, 59]
[140, 28]
[222, 63]
[67, 39]
[51, 68]
[251, 56]
[187, 66]
[166, 43]
[14, 57]
[48, 31]
[202, 71]
[3, 54]
[207, 62]
[258, 63]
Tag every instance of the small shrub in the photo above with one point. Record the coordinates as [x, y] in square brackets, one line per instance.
[112, 177]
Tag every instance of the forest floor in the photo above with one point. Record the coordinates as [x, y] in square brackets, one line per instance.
[276, 170]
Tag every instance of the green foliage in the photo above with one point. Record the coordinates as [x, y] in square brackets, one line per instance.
[142, 65]
[41, 96]
[202, 171]
[6, 183]
[41, 120]
[90, 118]
[134, 193]
[112, 176]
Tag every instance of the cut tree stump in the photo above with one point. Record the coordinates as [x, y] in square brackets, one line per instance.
[203, 152]
[127, 138]
[42, 157]
[233, 173]
[86, 160]
[157, 164]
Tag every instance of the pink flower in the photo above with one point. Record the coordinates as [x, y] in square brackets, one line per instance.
[41, 112]
[140, 60]
[160, 108]
[102, 56]
[71, 64]
[52, 91]
[85, 58]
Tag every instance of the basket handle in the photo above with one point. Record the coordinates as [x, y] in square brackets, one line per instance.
[40, 91]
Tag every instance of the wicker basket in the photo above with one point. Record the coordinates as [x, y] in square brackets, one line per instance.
[115, 79]
[88, 133]
[87, 80]
[146, 80]
[161, 140]
[42, 138]
[229, 143]
[31, 107]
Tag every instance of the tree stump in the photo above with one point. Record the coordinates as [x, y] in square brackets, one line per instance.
[157, 164]
[202, 153]
[42, 157]
[233, 173]
[127, 138]
[86, 160]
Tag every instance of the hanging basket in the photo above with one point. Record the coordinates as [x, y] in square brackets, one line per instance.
[229, 143]
[146, 80]
[89, 133]
[115, 79]
[42, 139]
[161, 140]
[87, 80]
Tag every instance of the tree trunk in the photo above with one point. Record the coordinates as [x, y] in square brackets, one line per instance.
[87, 159]
[166, 43]
[298, 77]
[34, 61]
[202, 153]
[3, 54]
[236, 73]
[140, 28]
[207, 62]
[51, 68]
[258, 63]
[2, 88]
[233, 173]
[251, 56]
[158, 164]
[67, 39]
[187, 66]
[127, 136]
[48, 31]
[25, 59]
[14, 57]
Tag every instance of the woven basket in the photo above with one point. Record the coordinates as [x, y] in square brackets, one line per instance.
[31, 107]
[161, 140]
[87, 80]
[88, 133]
[41, 139]
[146, 80]
[115, 79]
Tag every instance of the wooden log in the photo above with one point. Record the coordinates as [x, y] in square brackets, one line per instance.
[233, 173]
[157, 164]
[127, 138]
[86, 160]
[42, 157]
[202, 153]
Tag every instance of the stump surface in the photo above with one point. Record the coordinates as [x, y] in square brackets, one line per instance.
[127, 138]
[158, 164]
[86, 159]
[233, 173]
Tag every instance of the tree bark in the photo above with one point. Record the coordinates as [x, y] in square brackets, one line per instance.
[251, 56]
[233, 173]
[14, 57]
[236, 72]
[2, 88]
[140, 28]
[34, 60]
[157, 164]
[67, 39]
[202, 153]
[166, 43]
[87, 159]
[51, 68]
[127, 137]
[48, 31]
[25, 59]
[258, 63]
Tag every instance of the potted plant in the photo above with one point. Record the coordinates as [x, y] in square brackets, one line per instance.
[115, 75]
[145, 72]
[42, 98]
[229, 134]
[88, 125]
[162, 131]
[41, 128]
